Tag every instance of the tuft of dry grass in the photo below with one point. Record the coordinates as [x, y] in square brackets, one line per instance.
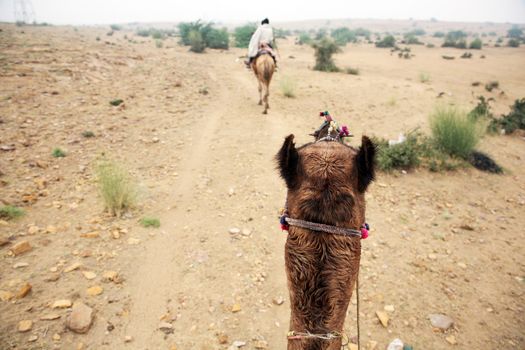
[288, 87]
[115, 185]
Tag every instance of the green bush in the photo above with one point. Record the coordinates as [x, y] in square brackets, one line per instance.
[243, 35]
[513, 42]
[514, 120]
[455, 39]
[343, 35]
[412, 40]
[439, 35]
[387, 41]
[454, 132]
[143, 32]
[88, 134]
[324, 49]
[217, 39]
[476, 44]
[115, 27]
[9, 212]
[150, 222]
[404, 155]
[424, 77]
[288, 86]
[115, 186]
[515, 32]
[304, 39]
[197, 43]
[58, 153]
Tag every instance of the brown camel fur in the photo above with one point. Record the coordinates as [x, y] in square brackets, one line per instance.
[326, 184]
[263, 67]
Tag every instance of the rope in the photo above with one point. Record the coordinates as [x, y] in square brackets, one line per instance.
[322, 227]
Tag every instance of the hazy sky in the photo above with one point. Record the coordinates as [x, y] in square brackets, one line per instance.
[121, 11]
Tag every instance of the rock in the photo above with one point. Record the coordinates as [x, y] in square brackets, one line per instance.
[166, 327]
[371, 345]
[261, 344]
[128, 339]
[223, 338]
[25, 326]
[246, 232]
[80, 319]
[383, 318]
[92, 234]
[33, 230]
[238, 344]
[95, 290]
[389, 308]
[112, 276]
[451, 339]
[236, 308]
[155, 140]
[50, 317]
[6, 295]
[32, 338]
[234, 231]
[61, 304]
[396, 344]
[73, 267]
[20, 265]
[21, 248]
[24, 290]
[462, 265]
[3, 240]
[52, 278]
[56, 337]
[440, 321]
[133, 241]
[89, 275]
[278, 300]
[432, 256]
[51, 229]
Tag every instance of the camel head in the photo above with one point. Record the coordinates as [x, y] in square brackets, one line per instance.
[326, 180]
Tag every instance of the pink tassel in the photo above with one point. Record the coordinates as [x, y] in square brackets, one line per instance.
[364, 233]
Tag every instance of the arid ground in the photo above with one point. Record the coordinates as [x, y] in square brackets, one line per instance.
[194, 140]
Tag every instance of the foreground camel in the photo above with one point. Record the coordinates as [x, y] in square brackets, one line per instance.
[263, 67]
[326, 184]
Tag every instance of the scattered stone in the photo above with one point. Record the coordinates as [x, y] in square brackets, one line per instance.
[246, 232]
[73, 267]
[26, 288]
[89, 275]
[5, 295]
[33, 230]
[61, 304]
[166, 327]
[32, 338]
[25, 326]
[278, 300]
[51, 229]
[112, 276]
[133, 241]
[80, 319]
[95, 290]
[389, 308]
[261, 344]
[371, 345]
[234, 231]
[238, 344]
[451, 339]
[432, 256]
[443, 322]
[128, 339]
[20, 265]
[92, 234]
[236, 308]
[56, 337]
[223, 338]
[383, 318]
[50, 317]
[155, 140]
[396, 344]
[52, 278]
[462, 265]
[21, 248]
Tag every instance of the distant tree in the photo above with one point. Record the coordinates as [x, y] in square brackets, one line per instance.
[387, 41]
[324, 49]
[515, 32]
[476, 44]
[343, 35]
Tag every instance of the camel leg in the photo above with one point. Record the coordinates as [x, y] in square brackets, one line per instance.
[260, 92]
[266, 95]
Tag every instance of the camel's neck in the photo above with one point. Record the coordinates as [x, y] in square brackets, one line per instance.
[322, 270]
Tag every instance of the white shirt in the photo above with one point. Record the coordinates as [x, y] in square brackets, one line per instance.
[263, 34]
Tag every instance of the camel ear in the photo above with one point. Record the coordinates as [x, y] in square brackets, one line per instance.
[365, 162]
[287, 160]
